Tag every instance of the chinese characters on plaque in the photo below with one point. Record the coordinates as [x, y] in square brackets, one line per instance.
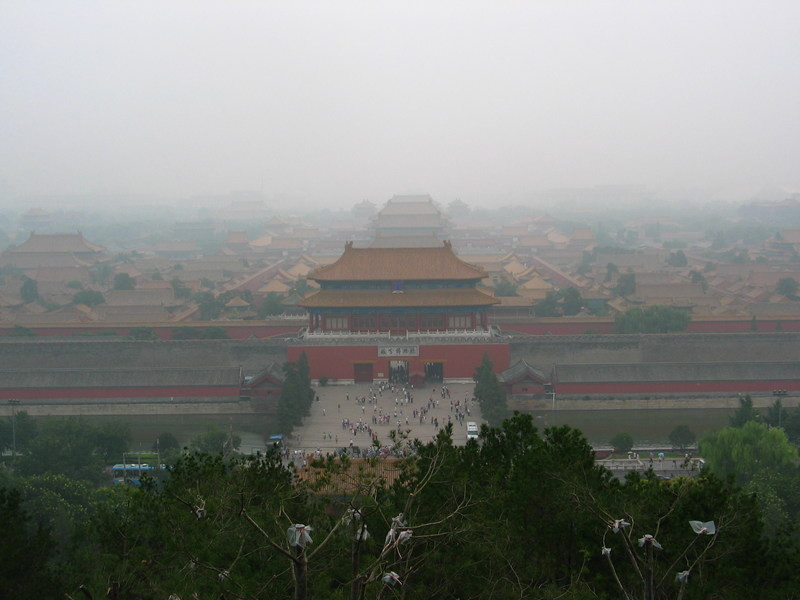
[398, 351]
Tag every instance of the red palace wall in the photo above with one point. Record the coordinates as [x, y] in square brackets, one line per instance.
[560, 328]
[675, 387]
[460, 361]
[529, 387]
[242, 330]
[566, 326]
[122, 392]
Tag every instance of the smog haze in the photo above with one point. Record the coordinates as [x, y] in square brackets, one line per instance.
[334, 102]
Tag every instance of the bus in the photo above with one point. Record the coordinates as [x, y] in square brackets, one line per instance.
[131, 473]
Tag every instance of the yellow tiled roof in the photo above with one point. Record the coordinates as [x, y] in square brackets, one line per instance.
[390, 264]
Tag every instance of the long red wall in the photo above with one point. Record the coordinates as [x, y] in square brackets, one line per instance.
[675, 387]
[602, 326]
[121, 392]
[336, 362]
[238, 331]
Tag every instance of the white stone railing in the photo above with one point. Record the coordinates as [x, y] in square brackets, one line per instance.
[450, 333]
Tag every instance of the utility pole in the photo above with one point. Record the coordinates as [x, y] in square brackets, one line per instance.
[14, 404]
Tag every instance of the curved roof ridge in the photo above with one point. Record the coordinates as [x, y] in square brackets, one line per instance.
[390, 264]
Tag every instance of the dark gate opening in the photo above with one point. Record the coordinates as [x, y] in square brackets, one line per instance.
[398, 371]
[434, 371]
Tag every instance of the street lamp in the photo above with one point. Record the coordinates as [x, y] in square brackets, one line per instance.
[14, 404]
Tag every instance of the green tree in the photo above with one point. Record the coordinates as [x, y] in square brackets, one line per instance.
[179, 288]
[21, 331]
[505, 288]
[566, 302]
[88, 297]
[300, 288]
[745, 413]
[111, 440]
[58, 504]
[548, 307]
[123, 281]
[215, 333]
[622, 442]
[29, 292]
[746, 450]
[490, 393]
[698, 277]
[23, 429]
[653, 319]
[777, 415]
[787, 286]
[64, 446]
[626, 285]
[677, 259]
[142, 333]
[210, 307]
[682, 437]
[572, 302]
[216, 440]
[271, 305]
[296, 394]
[611, 271]
[24, 552]
[102, 273]
[166, 441]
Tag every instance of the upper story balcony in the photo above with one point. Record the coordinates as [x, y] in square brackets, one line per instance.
[421, 336]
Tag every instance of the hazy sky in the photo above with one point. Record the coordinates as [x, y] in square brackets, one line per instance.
[333, 102]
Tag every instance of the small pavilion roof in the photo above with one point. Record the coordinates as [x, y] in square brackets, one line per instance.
[237, 302]
[390, 264]
[519, 371]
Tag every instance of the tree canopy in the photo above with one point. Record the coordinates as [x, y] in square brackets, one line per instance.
[653, 319]
[490, 393]
[565, 302]
[746, 450]
[626, 285]
[682, 437]
[123, 281]
[523, 513]
[787, 286]
[622, 442]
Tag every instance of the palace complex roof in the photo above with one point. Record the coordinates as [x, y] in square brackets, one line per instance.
[57, 243]
[397, 264]
[387, 299]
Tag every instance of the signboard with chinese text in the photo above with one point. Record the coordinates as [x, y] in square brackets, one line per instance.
[398, 351]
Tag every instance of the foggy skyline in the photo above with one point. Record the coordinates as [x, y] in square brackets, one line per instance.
[331, 103]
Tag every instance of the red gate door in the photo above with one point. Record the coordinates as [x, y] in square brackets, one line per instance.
[362, 372]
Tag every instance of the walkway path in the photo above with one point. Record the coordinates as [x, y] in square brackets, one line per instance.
[323, 429]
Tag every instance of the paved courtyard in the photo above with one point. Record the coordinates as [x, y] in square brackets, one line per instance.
[341, 416]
